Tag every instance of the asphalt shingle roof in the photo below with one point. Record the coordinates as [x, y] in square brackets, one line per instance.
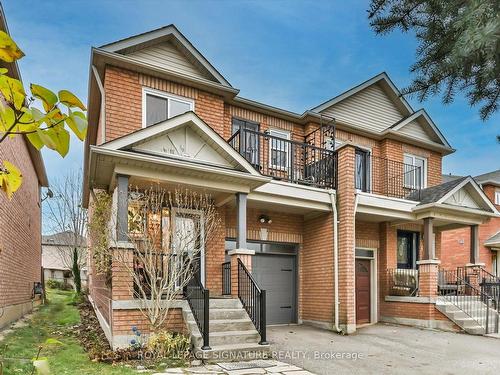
[435, 193]
[63, 239]
[493, 239]
[490, 176]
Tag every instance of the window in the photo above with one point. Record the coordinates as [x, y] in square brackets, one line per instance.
[497, 197]
[415, 172]
[279, 149]
[249, 139]
[159, 106]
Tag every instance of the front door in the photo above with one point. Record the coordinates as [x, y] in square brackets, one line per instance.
[363, 291]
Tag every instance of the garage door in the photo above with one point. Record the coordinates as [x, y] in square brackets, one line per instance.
[276, 274]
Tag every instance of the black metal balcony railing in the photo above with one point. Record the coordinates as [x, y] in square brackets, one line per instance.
[389, 177]
[287, 160]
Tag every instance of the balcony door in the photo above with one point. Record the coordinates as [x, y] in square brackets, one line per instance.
[249, 140]
[362, 172]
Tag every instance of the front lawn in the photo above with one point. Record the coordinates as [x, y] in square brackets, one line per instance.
[54, 320]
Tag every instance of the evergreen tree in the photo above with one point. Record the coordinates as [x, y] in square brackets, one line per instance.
[459, 47]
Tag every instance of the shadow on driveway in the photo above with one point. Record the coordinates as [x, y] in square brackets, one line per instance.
[385, 349]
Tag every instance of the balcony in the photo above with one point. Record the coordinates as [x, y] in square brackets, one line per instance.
[287, 160]
[307, 164]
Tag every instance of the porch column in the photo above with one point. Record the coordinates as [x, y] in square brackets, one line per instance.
[429, 249]
[428, 270]
[474, 244]
[122, 208]
[241, 252]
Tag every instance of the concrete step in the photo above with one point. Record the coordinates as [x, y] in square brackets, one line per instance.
[219, 314]
[240, 352]
[227, 325]
[475, 330]
[225, 303]
[227, 338]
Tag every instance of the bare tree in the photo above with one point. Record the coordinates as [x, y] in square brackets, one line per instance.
[65, 215]
[168, 231]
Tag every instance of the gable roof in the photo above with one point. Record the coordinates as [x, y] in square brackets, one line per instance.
[376, 106]
[382, 77]
[444, 194]
[134, 140]
[493, 240]
[429, 127]
[65, 238]
[492, 178]
[172, 35]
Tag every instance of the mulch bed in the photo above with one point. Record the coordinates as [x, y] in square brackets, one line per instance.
[94, 341]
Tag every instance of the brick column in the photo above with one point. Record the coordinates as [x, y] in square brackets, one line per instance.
[246, 258]
[123, 282]
[428, 277]
[346, 237]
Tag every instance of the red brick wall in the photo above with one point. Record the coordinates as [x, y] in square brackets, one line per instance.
[124, 320]
[316, 294]
[20, 230]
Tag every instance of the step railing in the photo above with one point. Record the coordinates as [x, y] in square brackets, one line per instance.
[253, 300]
[226, 278]
[456, 290]
[488, 283]
[198, 298]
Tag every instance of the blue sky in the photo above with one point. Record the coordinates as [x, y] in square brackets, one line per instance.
[289, 54]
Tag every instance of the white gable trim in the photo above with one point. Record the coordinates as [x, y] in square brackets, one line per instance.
[467, 181]
[189, 117]
[382, 76]
[428, 121]
[162, 34]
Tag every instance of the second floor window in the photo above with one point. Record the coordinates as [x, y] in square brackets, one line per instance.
[497, 197]
[159, 106]
[415, 172]
[279, 149]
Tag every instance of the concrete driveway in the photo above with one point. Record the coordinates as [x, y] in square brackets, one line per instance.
[385, 349]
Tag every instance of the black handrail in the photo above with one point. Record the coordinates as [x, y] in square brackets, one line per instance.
[287, 160]
[469, 299]
[226, 278]
[253, 300]
[198, 298]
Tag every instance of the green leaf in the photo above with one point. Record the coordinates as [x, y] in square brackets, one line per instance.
[9, 51]
[48, 98]
[55, 138]
[70, 100]
[13, 91]
[77, 122]
[3, 70]
[10, 178]
[52, 341]
[7, 118]
[42, 366]
[35, 140]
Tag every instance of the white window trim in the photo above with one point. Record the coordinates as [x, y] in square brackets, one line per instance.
[414, 157]
[497, 197]
[162, 94]
[286, 135]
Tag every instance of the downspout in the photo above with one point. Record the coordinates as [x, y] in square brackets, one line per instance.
[103, 103]
[333, 201]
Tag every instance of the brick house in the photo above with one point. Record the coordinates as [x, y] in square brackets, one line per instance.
[457, 242]
[345, 198]
[20, 223]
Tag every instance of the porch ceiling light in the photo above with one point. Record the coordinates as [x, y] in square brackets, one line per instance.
[264, 219]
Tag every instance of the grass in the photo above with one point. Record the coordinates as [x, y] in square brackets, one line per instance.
[54, 320]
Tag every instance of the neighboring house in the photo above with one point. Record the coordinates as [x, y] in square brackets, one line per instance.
[20, 228]
[57, 256]
[457, 242]
[330, 209]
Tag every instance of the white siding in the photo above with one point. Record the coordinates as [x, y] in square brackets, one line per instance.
[416, 130]
[165, 55]
[370, 109]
